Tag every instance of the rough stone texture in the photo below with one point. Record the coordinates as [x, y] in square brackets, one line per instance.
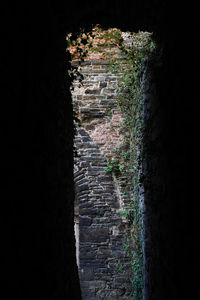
[37, 239]
[101, 228]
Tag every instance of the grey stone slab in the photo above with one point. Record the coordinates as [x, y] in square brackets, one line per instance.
[85, 221]
[82, 187]
[94, 91]
[95, 235]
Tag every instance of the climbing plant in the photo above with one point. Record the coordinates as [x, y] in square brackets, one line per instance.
[135, 51]
[126, 58]
[127, 53]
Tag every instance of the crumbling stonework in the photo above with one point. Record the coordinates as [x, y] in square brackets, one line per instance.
[98, 197]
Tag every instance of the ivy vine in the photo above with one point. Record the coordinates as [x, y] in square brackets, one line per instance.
[130, 101]
[127, 53]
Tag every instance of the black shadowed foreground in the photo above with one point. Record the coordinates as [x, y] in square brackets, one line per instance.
[38, 260]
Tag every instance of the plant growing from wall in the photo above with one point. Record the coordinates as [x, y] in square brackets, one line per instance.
[126, 158]
[127, 54]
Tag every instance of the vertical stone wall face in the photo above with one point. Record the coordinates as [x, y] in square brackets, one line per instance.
[98, 197]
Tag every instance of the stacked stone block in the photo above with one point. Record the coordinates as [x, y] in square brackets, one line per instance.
[98, 198]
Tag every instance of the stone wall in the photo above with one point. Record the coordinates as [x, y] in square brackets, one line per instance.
[98, 195]
[36, 163]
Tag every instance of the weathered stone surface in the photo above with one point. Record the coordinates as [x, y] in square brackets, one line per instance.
[103, 84]
[92, 91]
[96, 235]
[87, 274]
[100, 233]
[82, 187]
[85, 221]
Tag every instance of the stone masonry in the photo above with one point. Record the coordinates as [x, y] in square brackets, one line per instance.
[99, 227]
